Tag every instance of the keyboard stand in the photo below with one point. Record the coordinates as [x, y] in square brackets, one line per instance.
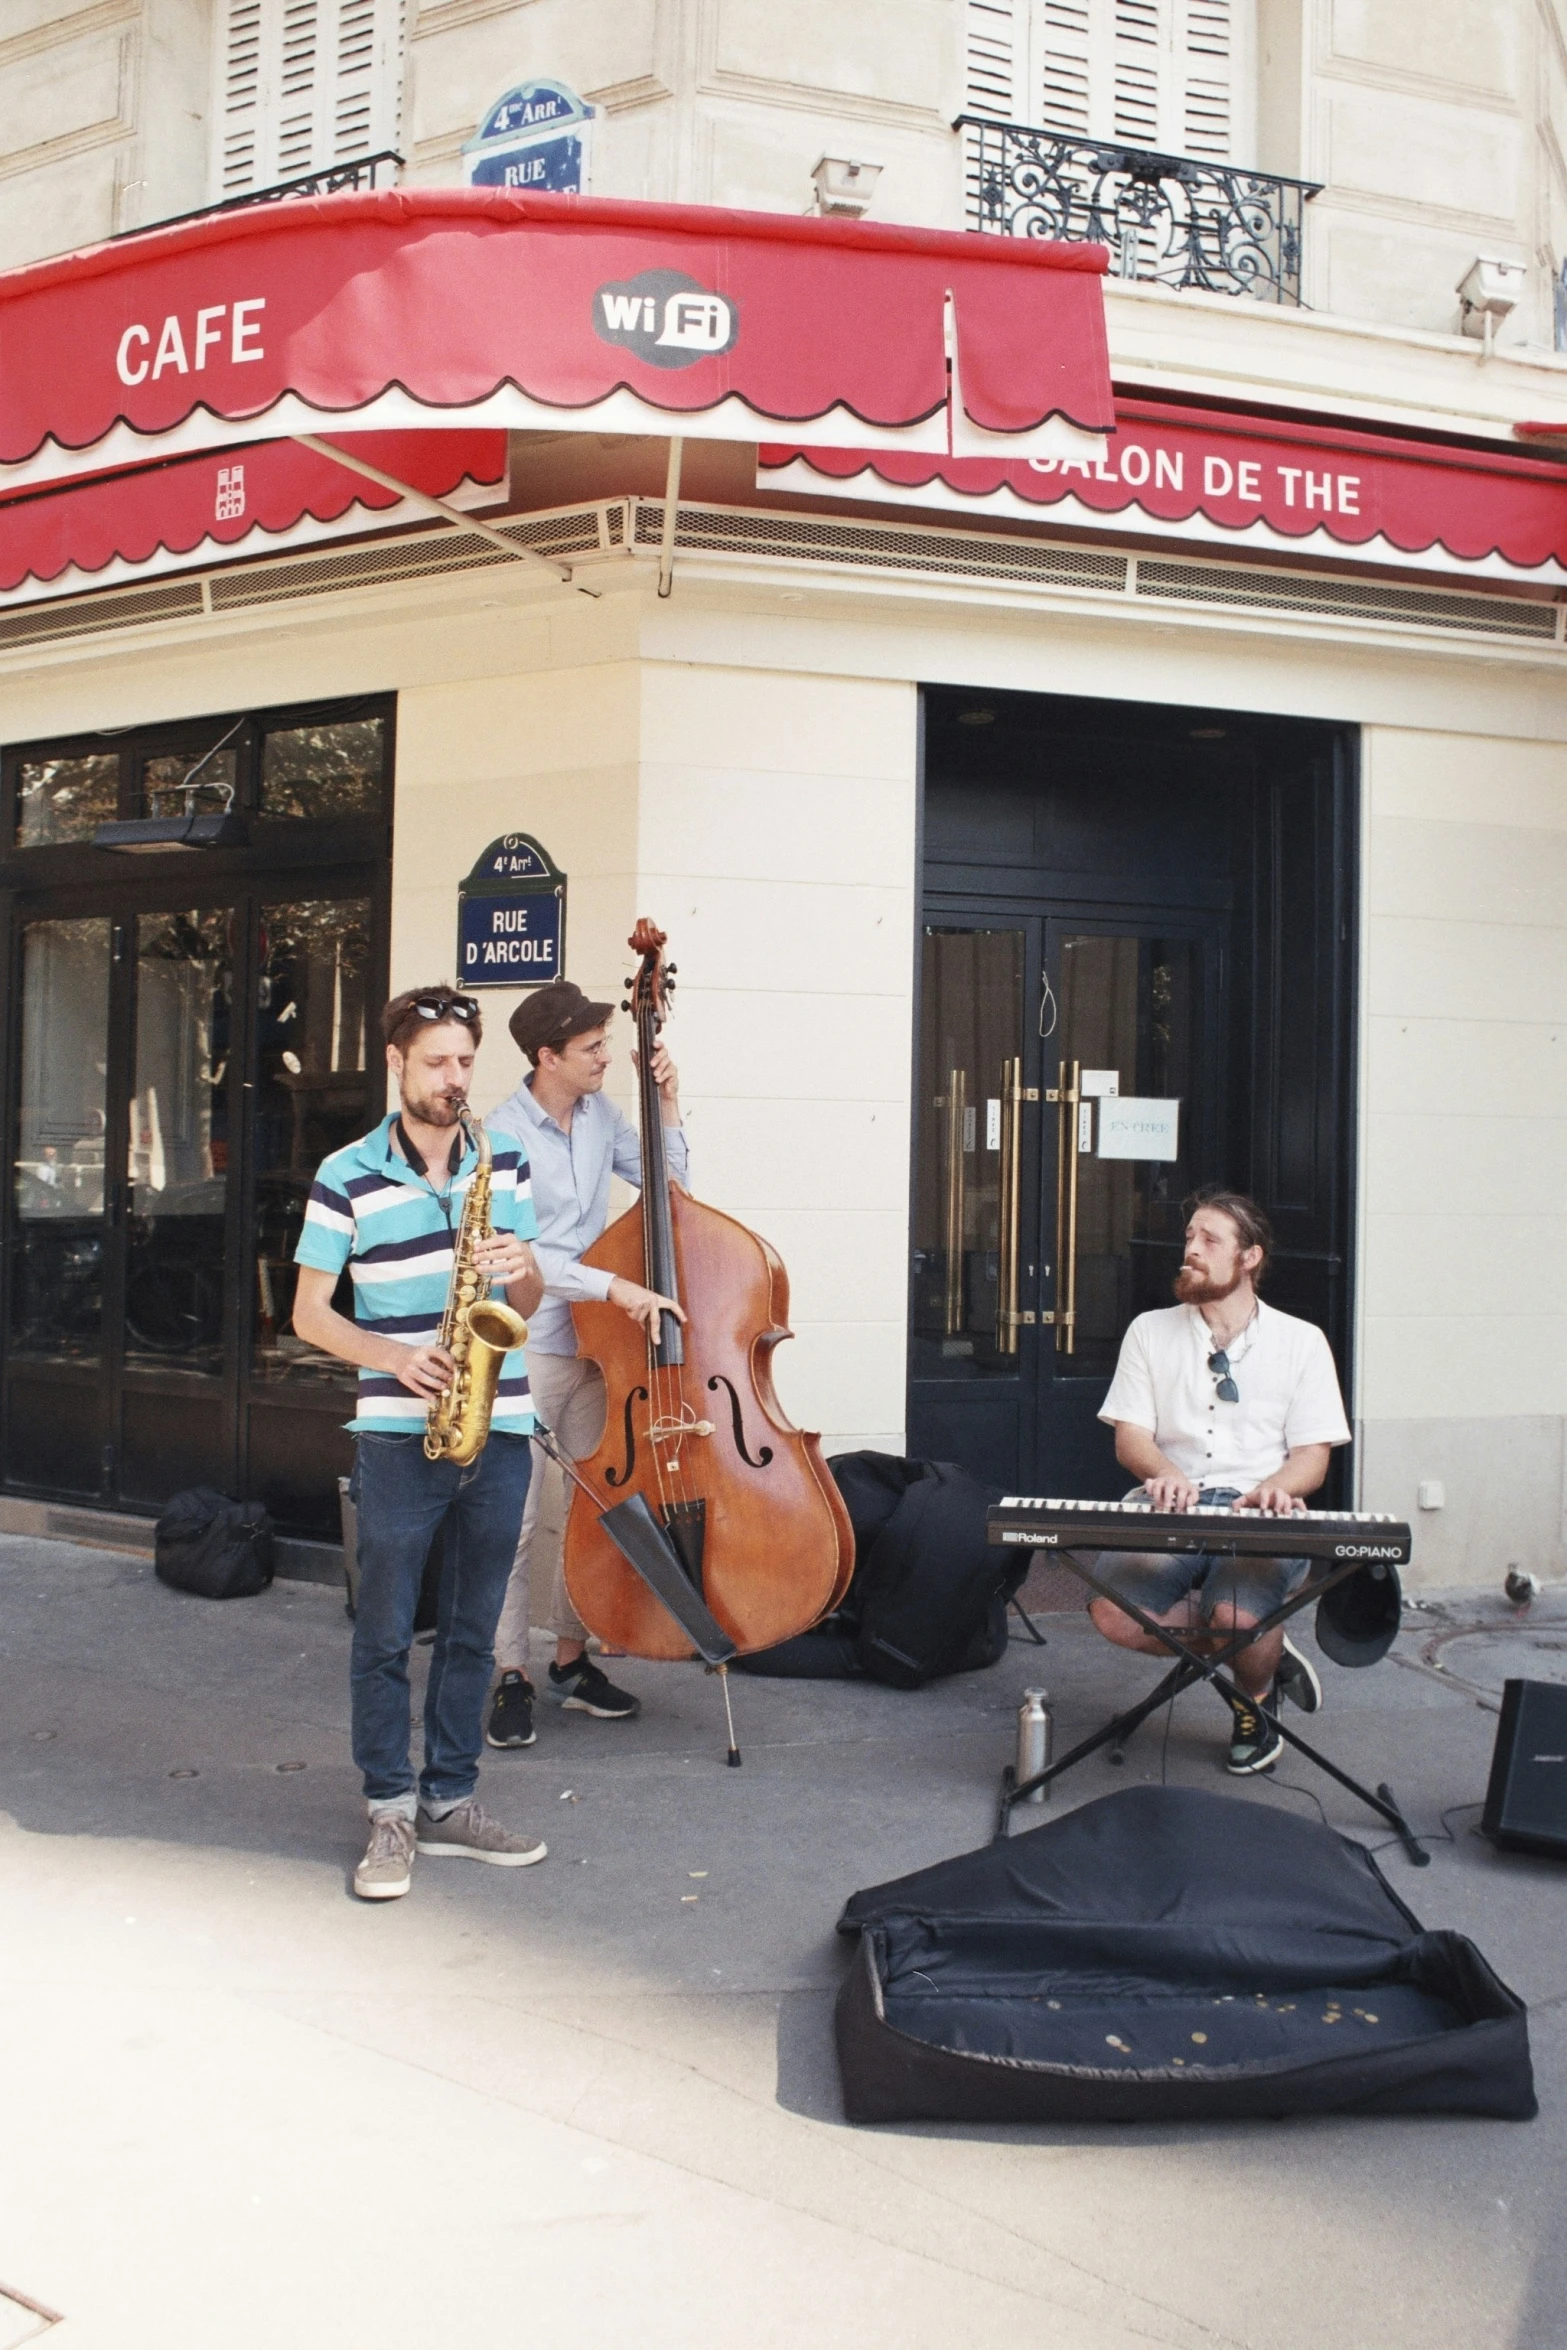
[1190, 1668]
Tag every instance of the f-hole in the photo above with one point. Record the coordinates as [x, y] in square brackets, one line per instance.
[718, 1380]
[619, 1477]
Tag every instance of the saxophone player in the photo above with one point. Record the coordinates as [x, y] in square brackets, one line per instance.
[388, 1210]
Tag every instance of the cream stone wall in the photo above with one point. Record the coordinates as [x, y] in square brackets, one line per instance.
[1463, 1285]
[710, 102]
[102, 118]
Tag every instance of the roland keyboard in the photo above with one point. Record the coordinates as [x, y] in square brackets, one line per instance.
[1038, 1523]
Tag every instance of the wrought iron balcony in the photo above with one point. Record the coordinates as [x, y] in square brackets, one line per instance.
[1168, 219]
[364, 172]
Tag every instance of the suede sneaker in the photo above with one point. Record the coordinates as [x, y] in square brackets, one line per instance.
[467, 1832]
[385, 1873]
[1255, 1743]
[582, 1689]
[511, 1713]
[1297, 1680]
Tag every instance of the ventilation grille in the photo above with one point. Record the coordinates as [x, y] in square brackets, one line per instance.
[627, 526]
[121, 608]
[1344, 599]
[865, 545]
[421, 558]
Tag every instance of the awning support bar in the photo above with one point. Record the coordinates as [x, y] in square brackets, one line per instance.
[448, 513]
[666, 544]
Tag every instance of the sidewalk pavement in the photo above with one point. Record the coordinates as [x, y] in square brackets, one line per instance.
[598, 2098]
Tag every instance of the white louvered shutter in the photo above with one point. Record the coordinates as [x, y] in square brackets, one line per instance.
[1164, 74]
[990, 59]
[302, 85]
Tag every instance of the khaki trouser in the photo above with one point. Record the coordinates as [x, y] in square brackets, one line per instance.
[569, 1394]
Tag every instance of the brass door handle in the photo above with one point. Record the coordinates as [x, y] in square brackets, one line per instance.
[1014, 1093]
[957, 1104]
[1067, 1098]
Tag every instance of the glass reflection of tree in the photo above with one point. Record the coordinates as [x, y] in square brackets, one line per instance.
[315, 771]
[311, 1095]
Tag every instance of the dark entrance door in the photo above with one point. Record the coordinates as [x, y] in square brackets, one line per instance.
[189, 1040]
[1134, 978]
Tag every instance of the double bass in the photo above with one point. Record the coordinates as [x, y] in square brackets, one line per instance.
[694, 1429]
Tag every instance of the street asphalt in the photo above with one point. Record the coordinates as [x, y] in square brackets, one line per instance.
[597, 2099]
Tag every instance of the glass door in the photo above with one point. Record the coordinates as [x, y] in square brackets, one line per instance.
[55, 1422]
[1131, 1125]
[975, 1188]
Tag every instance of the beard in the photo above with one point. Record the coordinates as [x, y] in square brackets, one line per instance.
[1193, 1287]
[435, 1109]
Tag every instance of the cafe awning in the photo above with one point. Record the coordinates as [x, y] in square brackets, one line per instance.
[1222, 479]
[419, 309]
[227, 504]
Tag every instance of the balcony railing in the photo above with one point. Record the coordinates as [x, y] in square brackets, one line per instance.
[331, 180]
[1166, 218]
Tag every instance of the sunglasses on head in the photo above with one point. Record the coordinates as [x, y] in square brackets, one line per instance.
[1219, 1365]
[446, 1007]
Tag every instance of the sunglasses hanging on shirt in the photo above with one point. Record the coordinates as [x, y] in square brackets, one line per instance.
[1219, 1365]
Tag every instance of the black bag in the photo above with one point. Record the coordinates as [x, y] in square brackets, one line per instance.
[1163, 1954]
[214, 1547]
[929, 1594]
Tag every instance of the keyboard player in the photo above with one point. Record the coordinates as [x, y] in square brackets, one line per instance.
[1218, 1400]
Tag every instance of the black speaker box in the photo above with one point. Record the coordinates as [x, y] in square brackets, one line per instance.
[1526, 1801]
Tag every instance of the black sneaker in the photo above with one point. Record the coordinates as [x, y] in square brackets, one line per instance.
[582, 1689]
[511, 1713]
[1255, 1743]
[1297, 1680]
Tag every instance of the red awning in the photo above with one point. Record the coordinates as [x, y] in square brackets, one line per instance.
[414, 308]
[252, 500]
[1234, 481]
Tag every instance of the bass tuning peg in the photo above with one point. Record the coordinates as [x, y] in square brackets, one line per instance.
[670, 970]
[624, 1004]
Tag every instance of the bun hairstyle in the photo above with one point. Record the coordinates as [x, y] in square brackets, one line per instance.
[1252, 1227]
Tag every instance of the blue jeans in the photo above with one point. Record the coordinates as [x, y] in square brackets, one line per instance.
[402, 1498]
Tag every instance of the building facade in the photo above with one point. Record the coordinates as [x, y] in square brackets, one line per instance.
[1225, 771]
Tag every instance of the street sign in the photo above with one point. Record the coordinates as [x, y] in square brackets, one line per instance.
[534, 137]
[511, 917]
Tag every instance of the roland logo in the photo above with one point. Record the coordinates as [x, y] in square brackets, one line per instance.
[1367, 1550]
[666, 318]
[1548, 1758]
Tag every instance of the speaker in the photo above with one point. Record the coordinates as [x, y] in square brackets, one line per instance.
[1526, 1801]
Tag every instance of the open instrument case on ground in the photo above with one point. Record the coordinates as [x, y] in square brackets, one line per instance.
[1163, 1954]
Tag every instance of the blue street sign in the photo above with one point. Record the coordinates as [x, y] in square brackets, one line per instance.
[509, 941]
[511, 916]
[533, 137]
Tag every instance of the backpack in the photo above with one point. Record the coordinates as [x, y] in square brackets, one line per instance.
[213, 1547]
[928, 1595]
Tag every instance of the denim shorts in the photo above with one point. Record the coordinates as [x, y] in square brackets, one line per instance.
[1157, 1583]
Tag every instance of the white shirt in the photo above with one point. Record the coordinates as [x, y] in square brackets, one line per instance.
[1283, 1367]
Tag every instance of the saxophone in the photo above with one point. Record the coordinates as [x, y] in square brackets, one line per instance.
[477, 1331]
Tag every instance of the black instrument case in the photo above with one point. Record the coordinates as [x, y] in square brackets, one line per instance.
[1164, 1954]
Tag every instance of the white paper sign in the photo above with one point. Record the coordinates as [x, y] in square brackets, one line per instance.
[1139, 1126]
[1099, 1082]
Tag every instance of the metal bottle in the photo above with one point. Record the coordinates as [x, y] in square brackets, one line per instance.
[1035, 1739]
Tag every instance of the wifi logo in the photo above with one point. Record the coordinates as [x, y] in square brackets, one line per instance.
[667, 318]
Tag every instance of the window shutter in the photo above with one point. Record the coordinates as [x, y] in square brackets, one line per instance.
[304, 84]
[1154, 73]
[1141, 37]
[1065, 78]
[990, 52]
[1206, 67]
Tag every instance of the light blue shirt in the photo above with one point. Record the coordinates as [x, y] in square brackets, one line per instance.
[570, 1177]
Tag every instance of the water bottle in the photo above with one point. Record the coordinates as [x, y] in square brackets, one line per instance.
[1034, 1740]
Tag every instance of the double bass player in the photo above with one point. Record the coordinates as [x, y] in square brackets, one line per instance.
[574, 1140]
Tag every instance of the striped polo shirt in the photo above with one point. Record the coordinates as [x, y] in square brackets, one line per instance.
[369, 1211]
